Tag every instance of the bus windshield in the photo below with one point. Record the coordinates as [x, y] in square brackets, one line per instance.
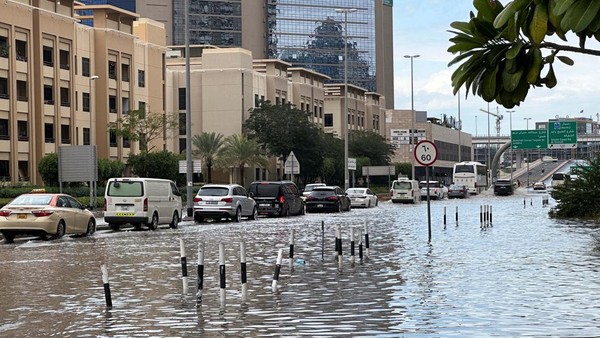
[459, 168]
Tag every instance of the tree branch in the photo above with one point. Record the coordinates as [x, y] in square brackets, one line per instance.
[570, 48]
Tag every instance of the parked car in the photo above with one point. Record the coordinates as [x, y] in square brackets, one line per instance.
[218, 201]
[141, 201]
[503, 187]
[328, 198]
[362, 197]
[277, 198]
[458, 191]
[437, 190]
[45, 215]
[309, 187]
[539, 186]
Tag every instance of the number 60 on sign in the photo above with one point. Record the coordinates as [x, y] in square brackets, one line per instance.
[426, 153]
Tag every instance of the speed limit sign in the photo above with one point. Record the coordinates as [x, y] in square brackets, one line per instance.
[426, 153]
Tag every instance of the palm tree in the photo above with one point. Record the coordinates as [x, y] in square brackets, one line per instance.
[239, 151]
[209, 147]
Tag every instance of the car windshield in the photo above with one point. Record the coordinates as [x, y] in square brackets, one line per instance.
[499, 182]
[125, 189]
[310, 187]
[402, 185]
[265, 190]
[213, 191]
[433, 184]
[355, 191]
[455, 187]
[32, 200]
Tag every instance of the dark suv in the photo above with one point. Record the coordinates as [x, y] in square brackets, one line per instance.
[503, 187]
[277, 198]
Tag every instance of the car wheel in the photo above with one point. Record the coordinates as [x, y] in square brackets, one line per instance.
[114, 227]
[153, 225]
[8, 237]
[339, 207]
[91, 227]
[376, 202]
[303, 210]
[198, 218]
[286, 211]
[369, 204]
[174, 221]
[254, 214]
[238, 215]
[349, 206]
[60, 230]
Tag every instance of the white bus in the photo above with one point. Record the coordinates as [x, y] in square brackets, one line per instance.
[471, 174]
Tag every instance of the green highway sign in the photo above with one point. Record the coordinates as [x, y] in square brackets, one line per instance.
[562, 134]
[529, 139]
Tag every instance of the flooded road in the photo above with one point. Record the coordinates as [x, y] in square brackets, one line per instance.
[527, 275]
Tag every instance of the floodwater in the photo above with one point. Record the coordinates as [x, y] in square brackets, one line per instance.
[525, 275]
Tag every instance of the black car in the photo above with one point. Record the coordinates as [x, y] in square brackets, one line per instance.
[277, 198]
[328, 198]
[503, 188]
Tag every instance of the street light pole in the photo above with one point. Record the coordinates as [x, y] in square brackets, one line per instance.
[92, 188]
[528, 160]
[510, 136]
[412, 116]
[346, 11]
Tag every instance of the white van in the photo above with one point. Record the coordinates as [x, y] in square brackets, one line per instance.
[405, 191]
[141, 201]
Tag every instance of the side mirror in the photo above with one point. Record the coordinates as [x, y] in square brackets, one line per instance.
[251, 195]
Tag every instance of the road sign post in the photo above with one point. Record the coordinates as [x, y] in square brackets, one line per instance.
[426, 154]
[292, 166]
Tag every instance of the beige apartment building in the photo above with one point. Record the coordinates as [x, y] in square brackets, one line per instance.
[398, 131]
[62, 83]
[226, 83]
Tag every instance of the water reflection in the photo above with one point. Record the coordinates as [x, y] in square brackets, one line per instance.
[525, 275]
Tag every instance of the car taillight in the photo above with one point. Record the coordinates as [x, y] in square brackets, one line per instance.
[145, 204]
[391, 192]
[105, 205]
[227, 199]
[309, 198]
[281, 199]
[197, 199]
[332, 198]
[5, 213]
[42, 213]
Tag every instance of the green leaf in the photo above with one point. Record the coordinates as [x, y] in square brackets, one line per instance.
[580, 15]
[487, 10]
[566, 60]
[562, 6]
[489, 83]
[539, 24]
[509, 11]
[461, 26]
[551, 78]
[511, 80]
[535, 63]
[514, 50]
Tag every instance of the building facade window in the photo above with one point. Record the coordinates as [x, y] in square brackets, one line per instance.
[85, 102]
[328, 120]
[125, 72]
[182, 99]
[4, 88]
[65, 97]
[4, 48]
[48, 94]
[65, 134]
[141, 78]
[85, 67]
[22, 131]
[112, 138]
[49, 132]
[65, 59]
[4, 129]
[112, 104]
[86, 136]
[21, 47]
[22, 91]
[182, 120]
[48, 56]
[5, 170]
[112, 70]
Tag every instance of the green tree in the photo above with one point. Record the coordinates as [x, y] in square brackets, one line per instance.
[209, 146]
[281, 129]
[109, 168]
[239, 151]
[371, 145]
[144, 127]
[160, 164]
[333, 168]
[403, 169]
[503, 50]
[579, 198]
[48, 169]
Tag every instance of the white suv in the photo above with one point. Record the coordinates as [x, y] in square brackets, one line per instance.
[309, 187]
[218, 201]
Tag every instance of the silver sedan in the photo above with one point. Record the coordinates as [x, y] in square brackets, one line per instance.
[362, 197]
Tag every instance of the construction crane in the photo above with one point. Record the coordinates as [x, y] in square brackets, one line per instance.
[498, 119]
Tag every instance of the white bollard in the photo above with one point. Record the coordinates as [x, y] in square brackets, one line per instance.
[481, 216]
[277, 270]
[200, 280]
[107, 296]
[367, 238]
[340, 254]
[184, 274]
[292, 239]
[243, 271]
[222, 281]
[352, 259]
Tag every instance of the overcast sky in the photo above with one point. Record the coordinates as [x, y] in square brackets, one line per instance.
[421, 27]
